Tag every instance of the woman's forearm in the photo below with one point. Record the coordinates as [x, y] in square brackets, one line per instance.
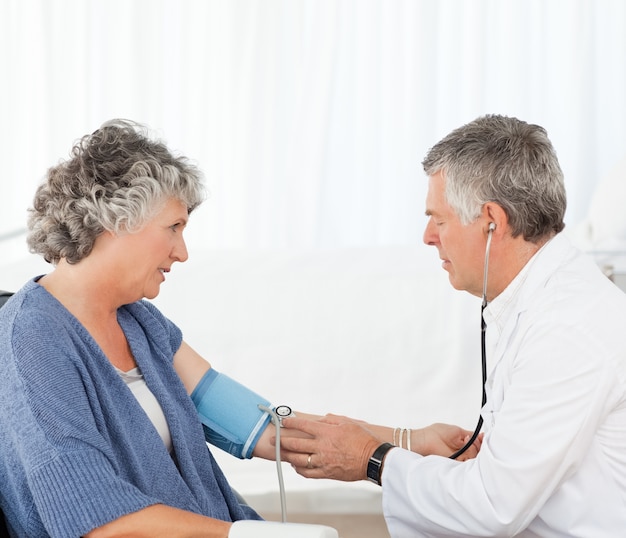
[161, 520]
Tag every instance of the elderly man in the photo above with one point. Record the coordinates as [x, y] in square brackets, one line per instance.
[553, 457]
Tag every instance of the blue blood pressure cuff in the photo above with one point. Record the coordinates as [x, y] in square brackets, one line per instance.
[230, 413]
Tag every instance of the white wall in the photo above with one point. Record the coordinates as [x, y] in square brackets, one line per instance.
[310, 118]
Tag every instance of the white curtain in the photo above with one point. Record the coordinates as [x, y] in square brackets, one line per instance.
[309, 117]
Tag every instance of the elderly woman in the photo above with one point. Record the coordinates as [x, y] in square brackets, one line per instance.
[104, 409]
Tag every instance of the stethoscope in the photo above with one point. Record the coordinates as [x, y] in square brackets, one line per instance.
[483, 327]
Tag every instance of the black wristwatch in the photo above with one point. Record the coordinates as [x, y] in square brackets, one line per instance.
[375, 463]
[283, 411]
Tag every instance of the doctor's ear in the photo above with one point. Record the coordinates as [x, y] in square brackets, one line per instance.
[494, 216]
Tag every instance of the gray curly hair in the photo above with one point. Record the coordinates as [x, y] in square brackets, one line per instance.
[115, 180]
[507, 161]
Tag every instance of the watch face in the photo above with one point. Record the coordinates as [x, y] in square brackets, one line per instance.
[283, 410]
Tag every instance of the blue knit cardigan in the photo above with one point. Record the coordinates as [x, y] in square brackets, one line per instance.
[76, 448]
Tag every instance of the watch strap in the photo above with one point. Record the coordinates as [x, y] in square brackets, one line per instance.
[375, 463]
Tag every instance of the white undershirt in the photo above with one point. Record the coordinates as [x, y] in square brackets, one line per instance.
[135, 382]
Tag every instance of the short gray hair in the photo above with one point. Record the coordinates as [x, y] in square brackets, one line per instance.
[506, 161]
[115, 180]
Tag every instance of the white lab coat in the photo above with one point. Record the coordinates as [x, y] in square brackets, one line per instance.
[553, 461]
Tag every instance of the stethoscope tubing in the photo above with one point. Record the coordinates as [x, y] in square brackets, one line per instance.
[483, 350]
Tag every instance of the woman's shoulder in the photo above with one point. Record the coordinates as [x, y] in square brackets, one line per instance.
[38, 336]
[32, 306]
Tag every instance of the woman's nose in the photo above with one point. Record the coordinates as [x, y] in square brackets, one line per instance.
[180, 251]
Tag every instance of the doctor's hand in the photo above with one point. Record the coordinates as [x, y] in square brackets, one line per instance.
[339, 447]
[336, 447]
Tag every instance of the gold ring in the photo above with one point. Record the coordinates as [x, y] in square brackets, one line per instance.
[308, 462]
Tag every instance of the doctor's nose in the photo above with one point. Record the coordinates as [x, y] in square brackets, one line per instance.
[430, 237]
